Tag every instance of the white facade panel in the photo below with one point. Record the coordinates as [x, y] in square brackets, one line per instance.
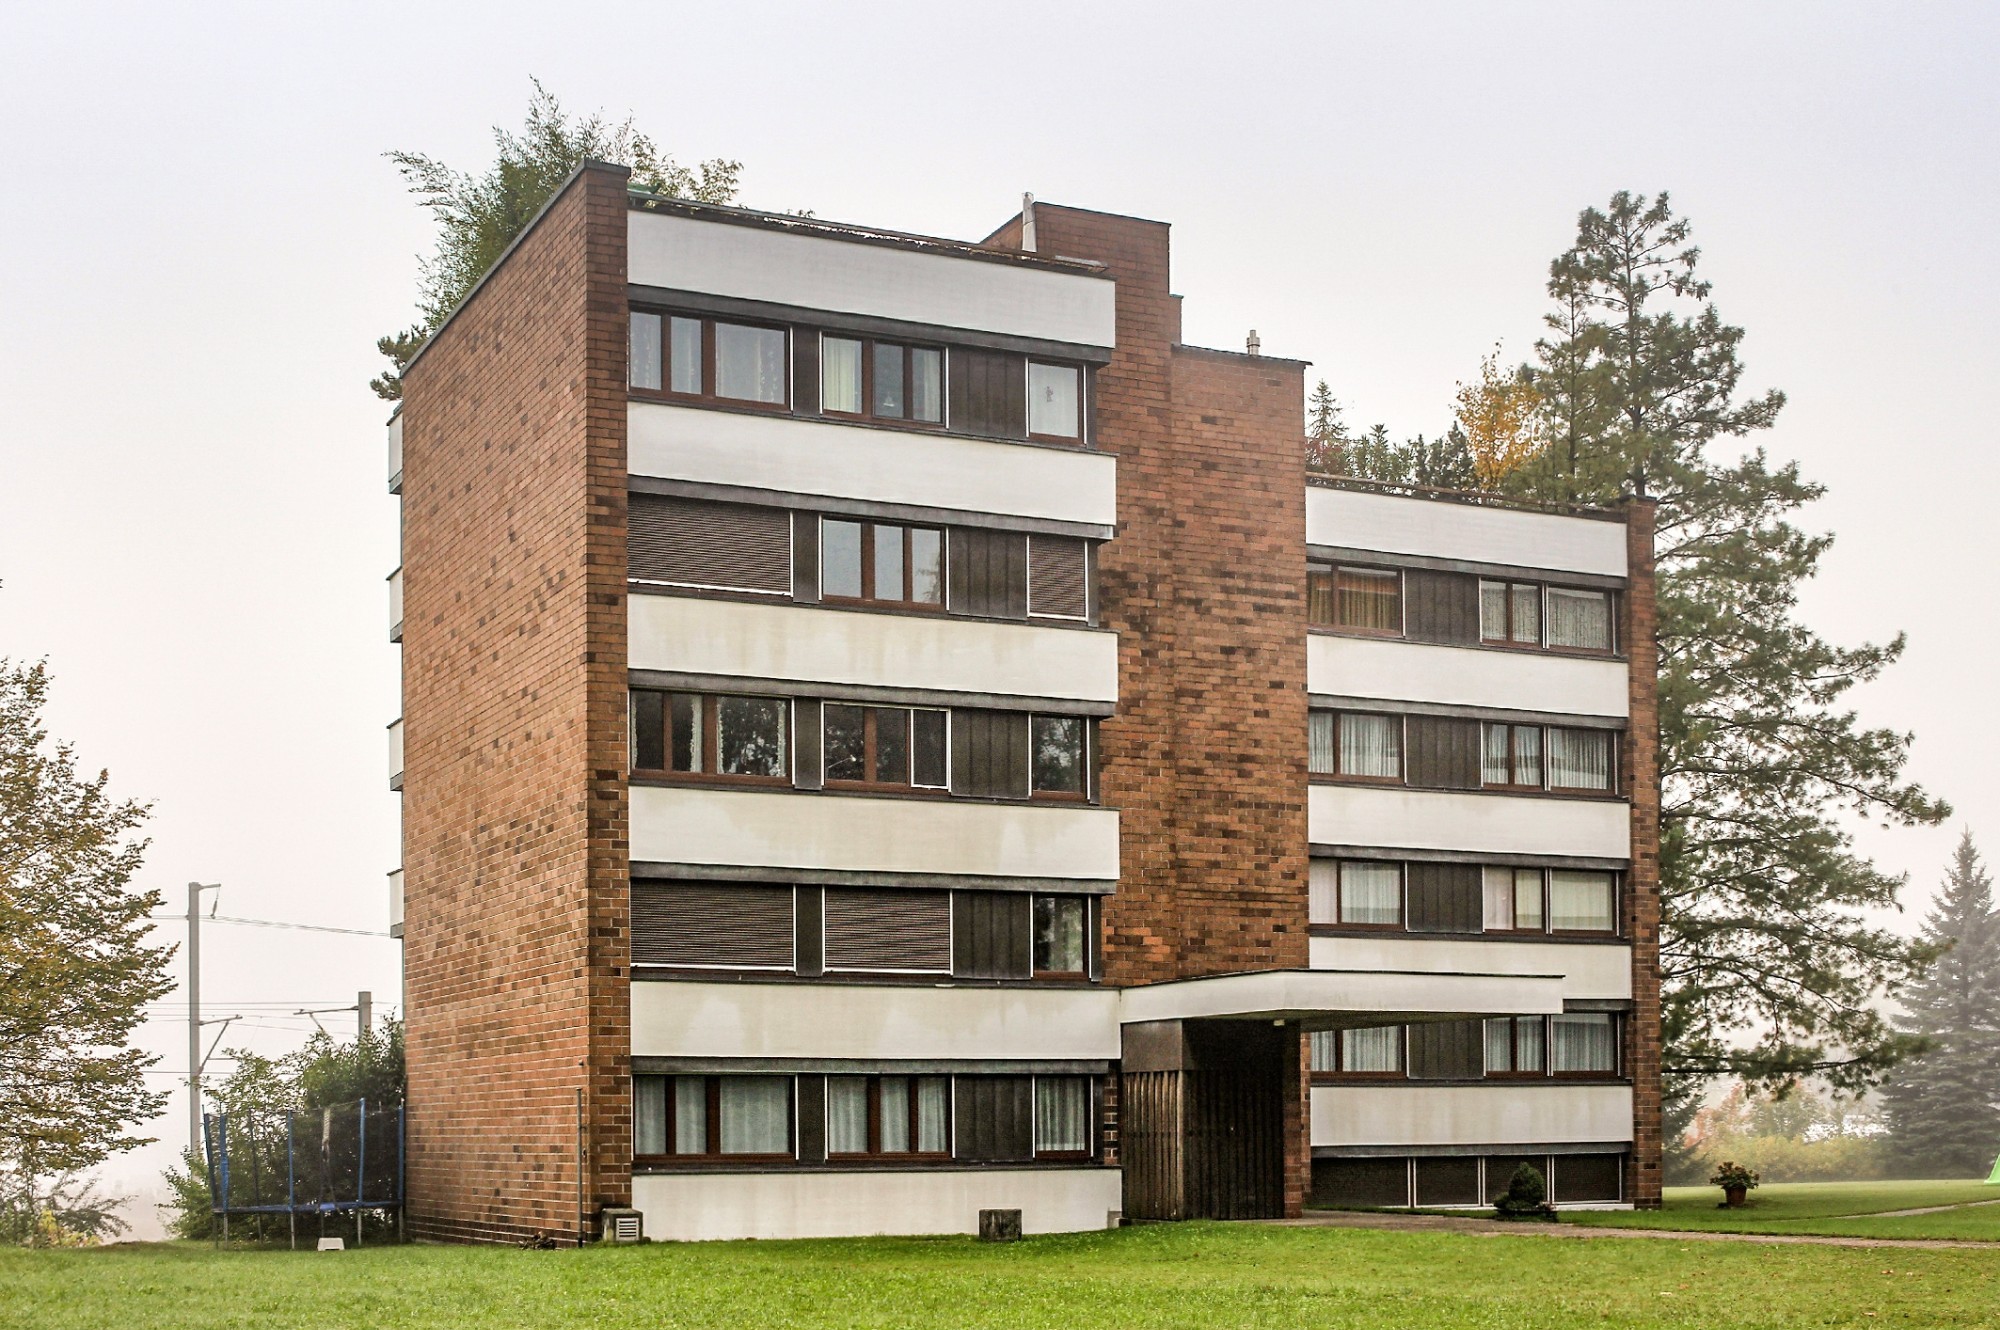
[1588, 970]
[879, 281]
[1323, 998]
[780, 829]
[886, 1022]
[1465, 676]
[1499, 1114]
[1396, 818]
[792, 455]
[749, 640]
[396, 754]
[1393, 524]
[396, 451]
[700, 1207]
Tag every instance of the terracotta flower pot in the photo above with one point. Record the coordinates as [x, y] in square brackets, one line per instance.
[1734, 1196]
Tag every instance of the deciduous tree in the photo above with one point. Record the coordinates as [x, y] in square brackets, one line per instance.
[1501, 417]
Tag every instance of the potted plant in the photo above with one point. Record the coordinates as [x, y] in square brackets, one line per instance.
[1526, 1197]
[1735, 1181]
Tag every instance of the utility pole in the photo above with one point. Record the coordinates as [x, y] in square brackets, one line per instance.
[364, 1005]
[194, 1010]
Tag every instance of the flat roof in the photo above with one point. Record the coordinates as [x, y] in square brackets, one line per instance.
[1471, 498]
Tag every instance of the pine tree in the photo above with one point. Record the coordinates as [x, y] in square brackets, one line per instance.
[1326, 434]
[1943, 1105]
[1769, 970]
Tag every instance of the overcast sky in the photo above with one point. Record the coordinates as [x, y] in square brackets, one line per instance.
[202, 240]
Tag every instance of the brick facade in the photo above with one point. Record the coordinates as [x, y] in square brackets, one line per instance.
[1642, 895]
[515, 947]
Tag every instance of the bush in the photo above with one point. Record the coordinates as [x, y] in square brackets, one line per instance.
[1526, 1197]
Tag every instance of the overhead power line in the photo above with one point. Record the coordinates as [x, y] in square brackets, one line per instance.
[269, 923]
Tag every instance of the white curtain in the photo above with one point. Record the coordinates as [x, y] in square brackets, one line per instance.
[840, 375]
[1580, 620]
[1319, 754]
[756, 1115]
[649, 1115]
[1500, 1045]
[1371, 601]
[1052, 400]
[684, 355]
[1323, 1050]
[1371, 745]
[847, 1115]
[690, 1115]
[1579, 759]
[1581, 1041]
[1062, 1113]
[1493, 611]
[895, 1092]
[934, 1115]
[1371, 893]
[645, 350]
[1528, 1051]
[1499, 888]
[1581, 902]
[1379, 1049]
[1323, 901]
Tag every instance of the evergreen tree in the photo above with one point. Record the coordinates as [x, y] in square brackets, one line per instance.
[1769, 970]
[1943, 1105]
[478, 217]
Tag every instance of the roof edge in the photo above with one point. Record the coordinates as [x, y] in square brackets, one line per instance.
[1474, 498]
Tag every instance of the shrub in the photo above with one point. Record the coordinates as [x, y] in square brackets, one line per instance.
[1526, 1197]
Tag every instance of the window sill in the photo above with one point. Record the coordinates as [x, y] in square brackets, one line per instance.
[1496, 935]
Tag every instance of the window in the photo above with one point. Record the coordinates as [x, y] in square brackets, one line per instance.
[1374, 1052]
[1366, 600]
[712, 925]
[1062, 1115]
[895, 746]
[1513, 900]
[750, 363]
[713, 546]
[1582, 902]
[1369, 894]
[645, 350]
[1510, 613]
[1058, 577]
[712, 1116]
[1578, 620]
[882, 380]
[1059, 756]
[1346, 743]
[1059, 924]
[905, 1116]
[1514, 1046]
[686, 363]
[1560, 618]
[1055, 401]
[1583, 1044]
[699, 734]
[881, 562]
[709, 358]
[1512, 757]
[1580, 759]
[888, 930]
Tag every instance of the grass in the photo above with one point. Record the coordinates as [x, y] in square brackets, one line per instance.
[1168, 1276]
[1837, 1209]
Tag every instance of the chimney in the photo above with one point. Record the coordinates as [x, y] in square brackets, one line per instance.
[1028, 223]
[1251, 345]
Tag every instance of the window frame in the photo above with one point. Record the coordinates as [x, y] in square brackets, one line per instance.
[1541, 642]
[711, 1152]
[711, 740]
[1614, 757]
[1402, 923]
[1082, 904]
[870, 728]
[869, 526]
[1512, 783]
[1328, 575]
[1514, 1073]
[1541, 887]
[708, 396]
[1617, 929]
[873, 1091]
[867, 411]
[1091, 1123]
[1614, 1072]
[1080, 439]
[1340, 1073]
[1084, 748]
[1402, 748]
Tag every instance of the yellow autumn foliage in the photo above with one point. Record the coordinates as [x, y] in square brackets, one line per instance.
[1500, 415]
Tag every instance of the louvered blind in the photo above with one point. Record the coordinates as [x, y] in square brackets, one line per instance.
[711, 924]
[692, 542]
[1056, 577]
[893, 929]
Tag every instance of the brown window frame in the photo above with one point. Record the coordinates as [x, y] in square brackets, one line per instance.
[1402, 924]
[1092, 1119]
[1081, 438]
[1327, 576]
[875, 1152]
[1542, 880]
[1610, 620]
[1617, 929]
[868, 346]
[1514, 1050]
[1617, 1069]
[1085, 748]
[868, 595]
[870, 723]
[1614, 783]
[710, 740]
[712, 1152]
[1541, 642]
[1513, 759]
[708, 396]
[1339, 1073]
[1083, 904]
[1402, 749]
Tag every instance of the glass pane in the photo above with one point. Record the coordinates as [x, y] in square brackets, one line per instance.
[1527, 603]
[846, 1115]
[1499, 1045]
[1498, 884]
[1371, 746]
[684, 355]
[749, 363]
[1323, 899]
[926, 384]
[1581, 1041]
[1323, 1044]
[895, 1115]
[933, 1115]
[1580, 620]
[1059, 934]
[1052, 400]
[926, 566]
[1319, 599]
[690, 1115]
[1062, 1114]
[1528, 898]
[756, 1115]
[1579, 759]
[1493, 765]
[845, 738]
[1528, 755]
[1319, 746]
[1379, 1049]
[888, 562]
[1493, 611]
[1371, 893]
[1059, 754]
[649, 731]
[649, 1115]
[645, 350]
[1581, 902]
[928, 765]
[840, 375]
[889, 380]
[684, 716]
[1371, 601]
[892, 745]
[750, 736]
[1528, 1052]
[840, 558]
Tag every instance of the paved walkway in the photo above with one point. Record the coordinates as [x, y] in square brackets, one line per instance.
[1923, 1210]
[1487, 1228]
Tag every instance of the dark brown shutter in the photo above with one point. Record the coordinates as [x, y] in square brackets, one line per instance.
[1056, 576]
[809, 931]
[1448, 1050]
[1586, 1177]
[990, 935]
[1441, 607]
[988, 573]
[1443, 753]
[805, 558]
[691, 542]
[811, 1091]
[888, 929]
[808, 764]
[1362, 1183]
[1445, 898]
[989, 392]
[702, 924]
[1448, 1180]
[805, 371]
[993, 1117]
[989, 754]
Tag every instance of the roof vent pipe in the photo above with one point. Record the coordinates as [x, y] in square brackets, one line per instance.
[1251, 345]
[1028, 223]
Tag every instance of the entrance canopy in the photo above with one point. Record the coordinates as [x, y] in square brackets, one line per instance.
[1336, 999]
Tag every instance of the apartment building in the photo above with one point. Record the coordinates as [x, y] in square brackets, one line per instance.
[889, 732]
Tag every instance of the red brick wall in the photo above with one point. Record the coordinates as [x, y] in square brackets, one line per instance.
[514, 831]
[1642, 896]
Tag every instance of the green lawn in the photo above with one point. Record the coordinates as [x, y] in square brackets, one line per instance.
[1187, 1275]
[1832, 1208]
